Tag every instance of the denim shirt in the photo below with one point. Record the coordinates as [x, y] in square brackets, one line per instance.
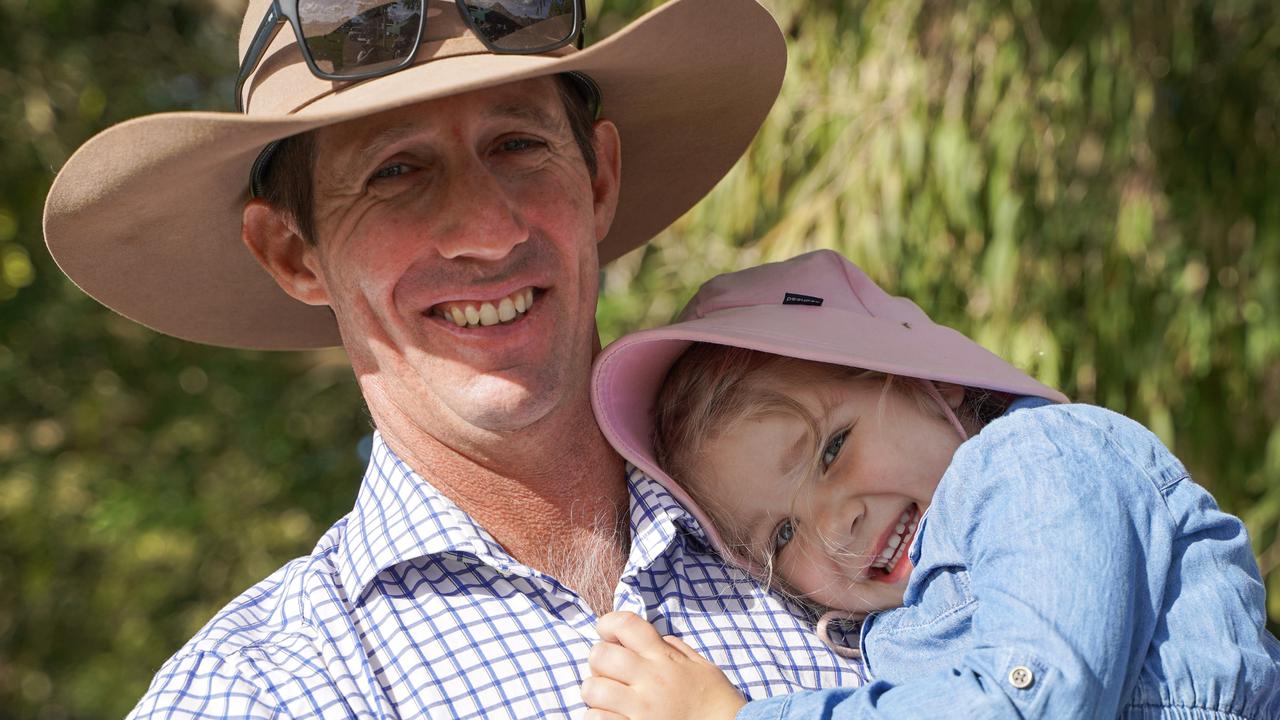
[1068, 567]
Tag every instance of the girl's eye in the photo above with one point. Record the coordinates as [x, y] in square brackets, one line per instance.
[783, 535]
[832, 449]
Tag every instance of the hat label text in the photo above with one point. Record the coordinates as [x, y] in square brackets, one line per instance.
[798, 299]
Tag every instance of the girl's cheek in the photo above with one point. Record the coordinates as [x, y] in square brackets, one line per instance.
[807, 575]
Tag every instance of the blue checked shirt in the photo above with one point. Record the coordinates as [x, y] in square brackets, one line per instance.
[408, 608]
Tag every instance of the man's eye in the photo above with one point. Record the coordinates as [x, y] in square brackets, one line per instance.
[518, 144]
[832, 449]
[390, 171]
[783, 535]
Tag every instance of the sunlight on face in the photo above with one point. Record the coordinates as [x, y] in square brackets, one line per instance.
[831, 502]
[474, 206]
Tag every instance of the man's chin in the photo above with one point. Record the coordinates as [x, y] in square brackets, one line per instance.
[500, 405]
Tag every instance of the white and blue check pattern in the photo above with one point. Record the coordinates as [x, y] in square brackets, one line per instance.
[406, 609]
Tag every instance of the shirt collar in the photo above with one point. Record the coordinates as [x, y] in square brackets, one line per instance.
[1025, 402]
[1022, 402]
[656, 518]
[399, 516]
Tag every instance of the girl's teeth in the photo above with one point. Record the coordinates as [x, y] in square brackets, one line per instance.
[896, 545]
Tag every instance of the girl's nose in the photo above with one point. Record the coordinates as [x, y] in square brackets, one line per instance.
[836, 514]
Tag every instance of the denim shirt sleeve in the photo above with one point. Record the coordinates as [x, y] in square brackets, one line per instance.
[1067, 543]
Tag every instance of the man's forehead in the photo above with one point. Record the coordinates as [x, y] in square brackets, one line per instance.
[535, 100]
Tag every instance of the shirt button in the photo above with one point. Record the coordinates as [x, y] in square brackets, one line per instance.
[1021, 677]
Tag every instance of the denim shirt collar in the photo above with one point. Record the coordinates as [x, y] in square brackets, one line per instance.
[1023, 402]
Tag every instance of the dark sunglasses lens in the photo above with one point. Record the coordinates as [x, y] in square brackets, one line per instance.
[354, 38]
[523, 25]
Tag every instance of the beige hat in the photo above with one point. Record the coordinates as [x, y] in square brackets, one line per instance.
[145, 216]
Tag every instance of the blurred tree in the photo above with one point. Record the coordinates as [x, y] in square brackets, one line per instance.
[144, 481]
[1088, 190]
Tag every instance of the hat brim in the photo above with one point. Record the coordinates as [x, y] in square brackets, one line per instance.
[628, 374]
[146, 216]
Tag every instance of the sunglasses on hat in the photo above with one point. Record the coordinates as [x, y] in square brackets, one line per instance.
[361, 39]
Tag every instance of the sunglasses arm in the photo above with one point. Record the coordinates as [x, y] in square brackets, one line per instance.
[262, 38]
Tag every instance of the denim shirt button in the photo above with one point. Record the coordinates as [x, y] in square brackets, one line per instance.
[1021, 677]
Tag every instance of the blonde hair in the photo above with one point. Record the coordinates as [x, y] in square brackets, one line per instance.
[711, 388]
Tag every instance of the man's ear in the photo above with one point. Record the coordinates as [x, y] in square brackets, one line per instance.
[273, 239]
[604, 186]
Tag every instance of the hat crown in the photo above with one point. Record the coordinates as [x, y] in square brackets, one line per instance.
[442, 20]
[283, 84]
[822, 278]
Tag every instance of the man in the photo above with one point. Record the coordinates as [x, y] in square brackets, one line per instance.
[440, 204]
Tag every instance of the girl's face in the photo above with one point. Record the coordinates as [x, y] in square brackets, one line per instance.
[834, 517]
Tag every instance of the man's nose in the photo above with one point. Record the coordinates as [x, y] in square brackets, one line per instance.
[482, 221]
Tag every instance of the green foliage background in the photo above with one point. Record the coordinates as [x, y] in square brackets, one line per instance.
[1091, 189]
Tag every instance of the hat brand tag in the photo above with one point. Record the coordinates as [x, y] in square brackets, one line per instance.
[798, 299]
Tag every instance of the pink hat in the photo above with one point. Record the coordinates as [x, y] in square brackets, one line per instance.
[817, 306]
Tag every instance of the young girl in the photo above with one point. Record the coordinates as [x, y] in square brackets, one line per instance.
[1014, 556]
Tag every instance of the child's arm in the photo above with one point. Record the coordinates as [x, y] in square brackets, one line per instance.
[638, 674]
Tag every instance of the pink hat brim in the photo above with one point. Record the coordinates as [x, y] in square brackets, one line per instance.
[628, 374]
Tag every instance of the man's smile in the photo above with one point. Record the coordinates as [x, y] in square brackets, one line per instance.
[477, 313]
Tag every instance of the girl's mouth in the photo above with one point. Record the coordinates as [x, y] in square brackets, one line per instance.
[885, 564]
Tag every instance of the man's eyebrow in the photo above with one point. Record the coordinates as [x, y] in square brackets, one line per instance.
[529, 113]
[393, 134]
[385, 137]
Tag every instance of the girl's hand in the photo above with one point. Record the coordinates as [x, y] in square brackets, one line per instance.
[638, 674]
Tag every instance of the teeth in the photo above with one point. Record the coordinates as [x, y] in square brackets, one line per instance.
[896, 545]
[487, 313]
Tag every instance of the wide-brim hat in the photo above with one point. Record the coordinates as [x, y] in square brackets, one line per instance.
[818, 306]
[146, 216]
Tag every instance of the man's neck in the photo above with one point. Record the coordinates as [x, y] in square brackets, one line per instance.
[554, 496]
